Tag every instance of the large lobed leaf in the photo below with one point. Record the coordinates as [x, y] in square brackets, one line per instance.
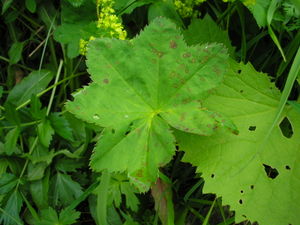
[234, 166]
[140, 89]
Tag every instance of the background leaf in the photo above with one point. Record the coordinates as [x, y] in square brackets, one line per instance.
[255, 166]
[34, 83]
[15, 52]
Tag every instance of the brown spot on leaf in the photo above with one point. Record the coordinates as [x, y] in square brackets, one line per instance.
[193, 60]
[182, 117]
[217, 70]
[186, 55]
[204, 60]
[173, 44]
[185, 101]
[105, 81]
[139, 173]
[157, 52]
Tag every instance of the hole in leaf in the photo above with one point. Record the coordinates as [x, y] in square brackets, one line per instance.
[239, 71]
[271, 172]
[241, 201]
[287, 167]
[252, 187]
[113, 131]
[242, 191]
[96, 117]
[252, 128]
[286, 128]
[212, 176]
[105, 81]
[244, 216]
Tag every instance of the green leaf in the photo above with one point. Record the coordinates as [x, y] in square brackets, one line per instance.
[36, 171]
[119, 185]
[11, 114]
[11, 210]
[205, 30]
[68, 165]
[127, 7]
[259, 10]
[295, 105]
[11, 138]
[67, 217]
[143, 87]
[31, 5]
[7, 182]
[5, 5]
[36, 108]
[75, 26]
[39, 191]
[1, 91]
[3, 161]
[65, 190]
[238, 167]
[45, 132]
[61, 126]
[34, 83]
[49, 217]
[165, 9]
[15, 52]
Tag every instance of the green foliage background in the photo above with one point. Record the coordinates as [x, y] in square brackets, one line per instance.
[193, 118]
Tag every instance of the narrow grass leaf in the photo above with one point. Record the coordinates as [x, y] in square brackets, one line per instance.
[34, 83]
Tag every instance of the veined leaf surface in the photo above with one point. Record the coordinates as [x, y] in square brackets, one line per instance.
[140, 89]
[239, 167]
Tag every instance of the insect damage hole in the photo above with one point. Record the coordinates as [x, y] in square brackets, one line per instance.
[286, 128]
[252, 128]
[212, 176]
[241, 201]
[271, 172]
[287, 167]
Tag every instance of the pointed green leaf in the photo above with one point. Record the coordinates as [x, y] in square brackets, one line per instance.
[11, 210]
[143, 87]
[7, 182]
[243, 168]
[48, 217]
[205, 30]
[39, 191]
[45, 132]
[15, 52]
[35, 82]
[31, 5]
[67, 217]
[36, 171]
[11, 139]
[65, 190]
[61, 126]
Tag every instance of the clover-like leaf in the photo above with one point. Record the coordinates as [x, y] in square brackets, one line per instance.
[256, 172]
[143, 87]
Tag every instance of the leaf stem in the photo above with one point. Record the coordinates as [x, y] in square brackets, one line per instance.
[54, 89]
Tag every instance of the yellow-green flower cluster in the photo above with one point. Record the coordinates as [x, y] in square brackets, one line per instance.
[185, 8]
[83, 45]
[108, 21]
